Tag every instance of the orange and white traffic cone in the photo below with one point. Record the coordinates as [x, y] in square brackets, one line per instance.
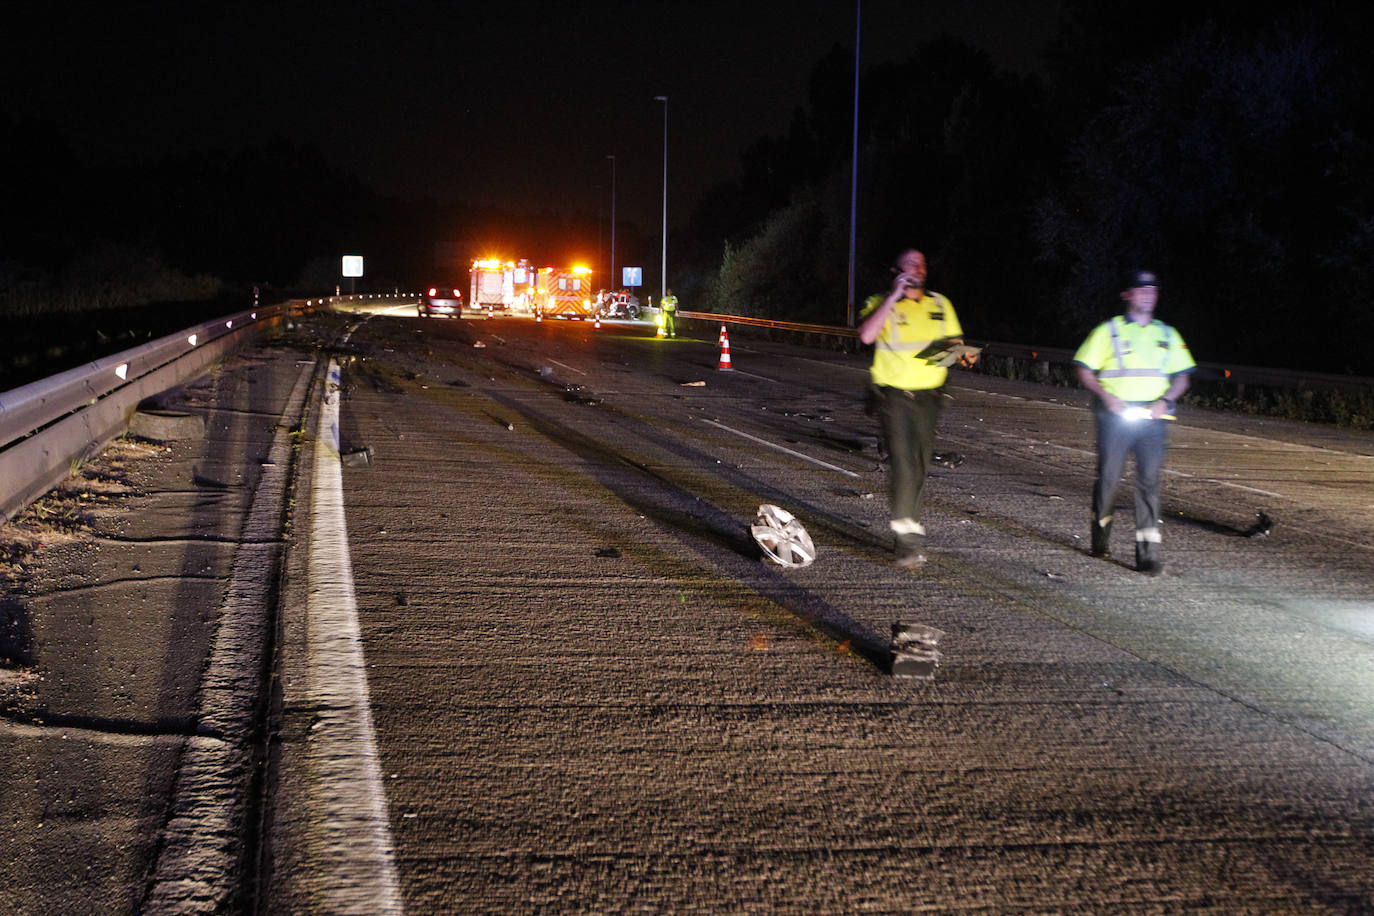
[596, 323]
[538, 317]
[724, 350]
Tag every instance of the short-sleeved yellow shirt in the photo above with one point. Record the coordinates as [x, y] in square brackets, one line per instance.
[1134, 361]
[912, 327]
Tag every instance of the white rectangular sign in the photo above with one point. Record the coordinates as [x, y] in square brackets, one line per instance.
[632, 276]
[352, 265]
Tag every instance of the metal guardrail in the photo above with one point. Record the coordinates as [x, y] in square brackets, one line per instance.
[48, 425]
[776, 325]
[1234, 375]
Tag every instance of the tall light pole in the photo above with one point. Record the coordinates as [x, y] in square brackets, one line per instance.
[614, 283]
[663, 275]
[854, 166]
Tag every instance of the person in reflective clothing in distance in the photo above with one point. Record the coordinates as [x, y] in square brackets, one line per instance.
[1137, 367]
[669, 305]
[904, 325]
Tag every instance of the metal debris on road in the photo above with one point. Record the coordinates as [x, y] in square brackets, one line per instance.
[914, 655]
[357, 458]
[782, 537]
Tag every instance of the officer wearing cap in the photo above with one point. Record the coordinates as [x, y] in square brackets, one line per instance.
[1137, 367]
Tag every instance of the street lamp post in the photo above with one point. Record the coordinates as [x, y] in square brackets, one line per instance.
[854, 166]
[614, 285]
[663, 268]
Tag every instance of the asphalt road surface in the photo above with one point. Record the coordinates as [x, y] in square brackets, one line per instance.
[525, 655]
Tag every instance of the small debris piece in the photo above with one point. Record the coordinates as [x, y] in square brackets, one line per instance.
[609, 552]
[916, 666]
[358, 458]
[914, 655]
[693, 384]
[1262, 526]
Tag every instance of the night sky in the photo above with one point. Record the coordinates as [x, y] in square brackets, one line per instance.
[514, 102]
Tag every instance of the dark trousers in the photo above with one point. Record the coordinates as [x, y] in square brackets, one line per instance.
[1117, 438]
[908, 419]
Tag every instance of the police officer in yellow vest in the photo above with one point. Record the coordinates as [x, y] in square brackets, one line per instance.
[905, 326]
[1138, 367]
[669, 305]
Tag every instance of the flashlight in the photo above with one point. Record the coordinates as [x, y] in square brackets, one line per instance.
[1136, 412]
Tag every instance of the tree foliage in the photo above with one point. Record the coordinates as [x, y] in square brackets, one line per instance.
[1225, 147]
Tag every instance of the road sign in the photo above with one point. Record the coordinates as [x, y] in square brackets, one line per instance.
[632, 276]
[352, 265]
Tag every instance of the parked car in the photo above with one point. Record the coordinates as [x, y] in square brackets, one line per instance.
[441, 300]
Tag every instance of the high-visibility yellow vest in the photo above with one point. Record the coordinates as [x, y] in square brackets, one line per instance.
[912, 327]
[669, 303]
[1134, 361]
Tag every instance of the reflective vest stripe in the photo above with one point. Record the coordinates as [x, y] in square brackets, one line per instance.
[1123, 372]
[1132, 373]
[902, 346]
[905, 346]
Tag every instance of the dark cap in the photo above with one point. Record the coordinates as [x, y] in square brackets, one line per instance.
[1140, 278]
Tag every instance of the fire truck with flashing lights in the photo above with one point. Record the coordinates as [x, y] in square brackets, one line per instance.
[490, 279]
[502, 285]
[565, 292]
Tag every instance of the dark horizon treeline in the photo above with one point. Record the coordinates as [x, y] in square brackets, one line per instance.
[1226, 145]
[103, 235]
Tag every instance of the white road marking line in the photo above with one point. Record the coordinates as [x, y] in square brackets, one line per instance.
[350, 836]
[764, 378]
[780, 448]
[566, 366]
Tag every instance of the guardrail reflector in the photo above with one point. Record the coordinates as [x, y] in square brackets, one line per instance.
[122, 370]
[191, 340]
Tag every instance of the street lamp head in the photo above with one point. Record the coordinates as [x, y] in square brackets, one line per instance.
[660, 98]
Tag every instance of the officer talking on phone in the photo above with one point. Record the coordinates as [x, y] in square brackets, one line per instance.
[913, 332]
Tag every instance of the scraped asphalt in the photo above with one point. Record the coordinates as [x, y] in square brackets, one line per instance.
[590, 693]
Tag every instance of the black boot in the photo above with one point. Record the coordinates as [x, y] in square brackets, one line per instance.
[1147, 558]
[1102, 539]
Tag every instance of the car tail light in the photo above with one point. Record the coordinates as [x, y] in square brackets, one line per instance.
[433, 291]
